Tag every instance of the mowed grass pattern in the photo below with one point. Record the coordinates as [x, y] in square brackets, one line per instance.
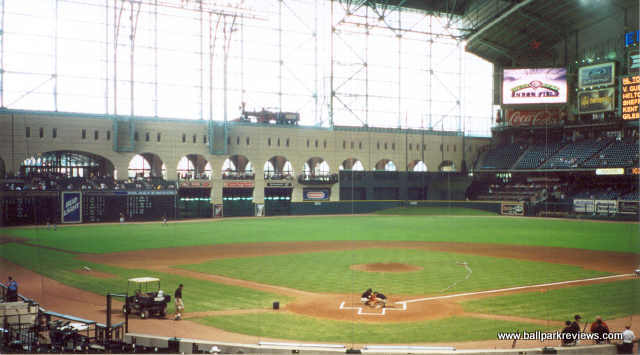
[434, 211]
[198, 295]
[296, 327]
[606, 236]
[329, 272]
[609, 300]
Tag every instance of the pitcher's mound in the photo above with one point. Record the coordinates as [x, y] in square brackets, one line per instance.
[386, 267]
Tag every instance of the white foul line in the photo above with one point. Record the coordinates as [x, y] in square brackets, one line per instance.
[511, 289]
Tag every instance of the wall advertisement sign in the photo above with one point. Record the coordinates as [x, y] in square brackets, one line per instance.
[602, 100]
[598, 74]
[71, 208]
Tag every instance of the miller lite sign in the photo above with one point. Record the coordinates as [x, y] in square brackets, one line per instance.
[533, 118]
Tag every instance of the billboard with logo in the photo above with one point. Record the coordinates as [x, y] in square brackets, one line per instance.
[596, 100]
[315, 194]
[532, 118]
[71, 207]
[512, 208]
[599, 74]
[238, 184]
[534, 86]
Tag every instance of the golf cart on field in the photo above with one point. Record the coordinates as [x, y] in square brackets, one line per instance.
[144, 297]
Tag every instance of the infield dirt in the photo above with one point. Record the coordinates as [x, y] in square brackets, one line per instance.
[61, 298]
[327, 305]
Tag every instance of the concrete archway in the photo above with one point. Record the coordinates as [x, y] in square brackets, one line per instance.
[147, 165]
[353, 164]
[447, 165]
[237, 164]
[417, 166]
[194, 166]
[278, 166]
[385, 165]
[316, 166]
[70, 163]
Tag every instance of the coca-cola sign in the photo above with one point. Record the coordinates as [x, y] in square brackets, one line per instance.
[521, 118]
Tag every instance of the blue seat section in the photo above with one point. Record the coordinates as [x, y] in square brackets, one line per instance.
[631, 196]
[538, 154]
[574, 154]
[502, 157]
[618, 155]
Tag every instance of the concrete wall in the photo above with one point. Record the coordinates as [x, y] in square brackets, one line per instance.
[185, 346]
[334, 146]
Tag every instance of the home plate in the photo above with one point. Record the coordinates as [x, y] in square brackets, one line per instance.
[364, 310]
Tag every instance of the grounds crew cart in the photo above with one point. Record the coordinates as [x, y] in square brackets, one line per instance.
[145, 298]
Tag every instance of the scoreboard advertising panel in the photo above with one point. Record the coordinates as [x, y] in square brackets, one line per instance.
[534, 86]
[595, 75]
[630, 88]
[592, 101]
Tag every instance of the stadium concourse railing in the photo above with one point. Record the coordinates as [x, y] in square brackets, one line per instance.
[26, 335]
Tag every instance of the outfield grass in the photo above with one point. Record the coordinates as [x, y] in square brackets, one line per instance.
[609, 300]
[330, 272]
[622, 237]
[199, 295]
[435, 211]
[297, 327]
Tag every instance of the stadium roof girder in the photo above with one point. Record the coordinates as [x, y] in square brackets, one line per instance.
[454, 7]
[505, 51]
[553, 30]
[547, 22]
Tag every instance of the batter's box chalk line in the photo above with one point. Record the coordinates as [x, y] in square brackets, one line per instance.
[381, 313]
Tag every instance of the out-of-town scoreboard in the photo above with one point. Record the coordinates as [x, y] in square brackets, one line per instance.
[631, 97]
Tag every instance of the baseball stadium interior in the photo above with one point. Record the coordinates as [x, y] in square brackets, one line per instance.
[473, 165]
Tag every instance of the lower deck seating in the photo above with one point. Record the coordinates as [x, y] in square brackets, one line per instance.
[574, 154]
[618, 154]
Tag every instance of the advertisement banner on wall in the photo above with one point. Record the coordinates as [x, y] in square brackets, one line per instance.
[196, 184]
[534, 86]
[598, 74]
[531, 118]
[606, 207]
[71, 207]
[628, 207]
[583, 206]
[238, 184]
[259, 209]
[597, 100]
[512, 209]
[279, 184]
[315, 194]
[218, 210]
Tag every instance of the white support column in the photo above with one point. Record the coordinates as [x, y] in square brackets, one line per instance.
[217, 185]
[296, 193]
[335, 192]
[258, 190]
